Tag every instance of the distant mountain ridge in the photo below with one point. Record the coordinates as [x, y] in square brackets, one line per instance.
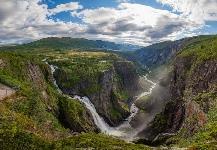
[161, 53]
[68, 43]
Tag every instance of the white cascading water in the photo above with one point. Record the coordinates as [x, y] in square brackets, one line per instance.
[123, 131]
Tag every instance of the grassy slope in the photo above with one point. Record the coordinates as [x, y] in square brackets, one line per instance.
[28, 120]
[201, 48]
[27, 111]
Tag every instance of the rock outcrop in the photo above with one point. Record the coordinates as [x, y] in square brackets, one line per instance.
[5, 91]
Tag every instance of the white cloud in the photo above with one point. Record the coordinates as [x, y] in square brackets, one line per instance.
[134, 23]
[72, 6]
[27, 20]
[22, 12]
[198, 11]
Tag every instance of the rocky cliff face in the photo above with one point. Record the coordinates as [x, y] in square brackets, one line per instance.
[189, 82]
[109, 93]
[129, 78]
[193, 93]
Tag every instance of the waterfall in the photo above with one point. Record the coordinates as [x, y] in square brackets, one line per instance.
[123, 131]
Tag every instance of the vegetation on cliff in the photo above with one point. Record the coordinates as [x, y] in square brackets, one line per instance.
[201, 89]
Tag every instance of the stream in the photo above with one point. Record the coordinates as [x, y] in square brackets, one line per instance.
[124, 131]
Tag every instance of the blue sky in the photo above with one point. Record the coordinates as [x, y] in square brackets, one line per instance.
[140, 22]
[93, 4]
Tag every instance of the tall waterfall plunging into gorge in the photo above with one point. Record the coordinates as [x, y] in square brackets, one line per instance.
[124, 131]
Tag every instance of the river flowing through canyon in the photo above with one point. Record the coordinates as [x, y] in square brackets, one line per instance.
[124, 131]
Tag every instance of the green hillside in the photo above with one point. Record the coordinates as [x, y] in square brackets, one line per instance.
[201, 48]
[67, 43]
[30, 118]
[37, 116]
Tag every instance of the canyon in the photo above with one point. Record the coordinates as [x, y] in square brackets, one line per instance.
[162, 95]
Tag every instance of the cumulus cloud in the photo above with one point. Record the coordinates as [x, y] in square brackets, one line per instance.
[72, 6]
[26, 20]
[134, 23]
[21, 12]
[198, 11]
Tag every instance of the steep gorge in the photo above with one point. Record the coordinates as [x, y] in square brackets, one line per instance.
[181, 110]
[188, 114]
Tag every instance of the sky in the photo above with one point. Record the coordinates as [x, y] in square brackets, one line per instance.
[139, 22]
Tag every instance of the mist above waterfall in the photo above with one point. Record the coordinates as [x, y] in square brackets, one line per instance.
[152, 104]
